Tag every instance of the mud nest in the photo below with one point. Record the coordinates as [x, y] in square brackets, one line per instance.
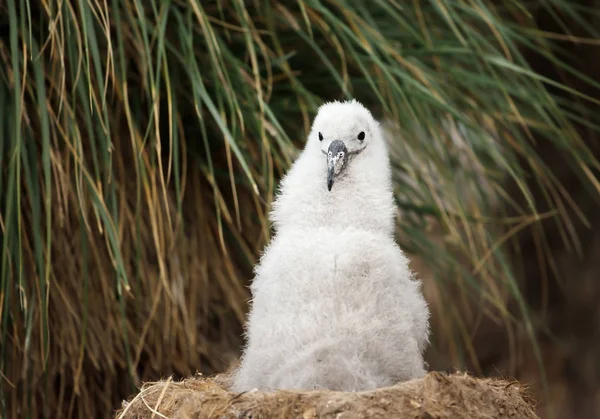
[437, 395]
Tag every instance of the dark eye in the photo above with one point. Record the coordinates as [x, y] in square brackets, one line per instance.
[320, 137]
[361, 136]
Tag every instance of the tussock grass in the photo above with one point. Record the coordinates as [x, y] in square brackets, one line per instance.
[142, 142]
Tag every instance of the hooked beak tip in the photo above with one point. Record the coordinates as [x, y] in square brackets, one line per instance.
[329, 185]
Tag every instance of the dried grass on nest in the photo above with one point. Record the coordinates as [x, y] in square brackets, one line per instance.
[435, 395]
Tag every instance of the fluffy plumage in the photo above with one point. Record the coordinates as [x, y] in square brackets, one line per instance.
[334, 302]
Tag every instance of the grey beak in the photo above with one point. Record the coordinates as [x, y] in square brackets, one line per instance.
[329, 176]
[337, 155]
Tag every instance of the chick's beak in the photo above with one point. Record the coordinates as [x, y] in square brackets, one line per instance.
[336, 161]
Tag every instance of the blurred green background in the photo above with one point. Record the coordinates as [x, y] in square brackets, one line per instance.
[142, 143]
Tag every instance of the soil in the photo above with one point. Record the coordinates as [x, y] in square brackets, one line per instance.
[437, 395]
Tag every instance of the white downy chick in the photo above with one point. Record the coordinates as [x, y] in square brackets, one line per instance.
[335, 304]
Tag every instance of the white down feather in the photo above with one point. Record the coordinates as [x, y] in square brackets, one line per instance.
[334, 303]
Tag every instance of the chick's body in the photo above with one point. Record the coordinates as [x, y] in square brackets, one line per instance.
[334, 303]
